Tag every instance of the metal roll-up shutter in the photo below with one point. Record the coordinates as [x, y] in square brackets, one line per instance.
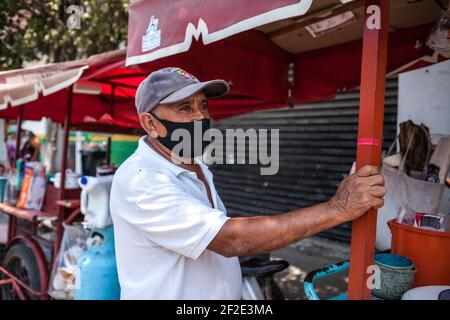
[317, 146]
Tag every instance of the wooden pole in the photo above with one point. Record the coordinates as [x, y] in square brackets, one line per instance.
[59, 227]
[370, 131]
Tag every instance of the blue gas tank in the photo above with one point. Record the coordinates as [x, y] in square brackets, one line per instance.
[98, 278]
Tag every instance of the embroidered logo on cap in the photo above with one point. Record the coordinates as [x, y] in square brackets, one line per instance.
[185, 75]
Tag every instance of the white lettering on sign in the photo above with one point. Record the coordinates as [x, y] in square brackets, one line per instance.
[374, 20]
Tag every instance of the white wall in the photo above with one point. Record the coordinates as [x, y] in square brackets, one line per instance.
[37, 127]
[424, 97]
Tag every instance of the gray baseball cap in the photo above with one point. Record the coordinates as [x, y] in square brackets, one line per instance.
[170, 85]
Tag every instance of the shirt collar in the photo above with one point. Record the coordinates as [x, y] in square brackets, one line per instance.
[145, 151]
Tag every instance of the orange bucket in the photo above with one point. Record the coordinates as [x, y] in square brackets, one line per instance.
[429, 250]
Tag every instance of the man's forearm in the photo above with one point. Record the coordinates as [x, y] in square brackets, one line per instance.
[242, 236]
[356, 195]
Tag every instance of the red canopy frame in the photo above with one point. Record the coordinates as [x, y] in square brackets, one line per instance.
[370, 132]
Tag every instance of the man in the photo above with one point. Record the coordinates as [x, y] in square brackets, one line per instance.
[173, 238]
[29, 145]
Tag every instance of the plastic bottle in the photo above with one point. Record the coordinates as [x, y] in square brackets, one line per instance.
[94, 201]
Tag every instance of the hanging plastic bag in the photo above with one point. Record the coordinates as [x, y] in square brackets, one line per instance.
[65, 273]
[439, 38]
[406, 215]
[418, 194]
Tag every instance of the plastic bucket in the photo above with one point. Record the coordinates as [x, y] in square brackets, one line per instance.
[429, 250]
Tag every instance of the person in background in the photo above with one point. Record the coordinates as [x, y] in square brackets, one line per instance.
[29, 145]
[10, 141]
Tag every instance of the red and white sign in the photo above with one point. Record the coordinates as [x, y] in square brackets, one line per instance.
[157, 30]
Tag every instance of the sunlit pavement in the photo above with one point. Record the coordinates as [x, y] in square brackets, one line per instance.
[309, 255]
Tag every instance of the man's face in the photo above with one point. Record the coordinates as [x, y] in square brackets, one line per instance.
[191, 109]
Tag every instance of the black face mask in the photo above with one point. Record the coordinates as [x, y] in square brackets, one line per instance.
[193, 131]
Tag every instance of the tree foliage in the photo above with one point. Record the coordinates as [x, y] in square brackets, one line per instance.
[38, 30]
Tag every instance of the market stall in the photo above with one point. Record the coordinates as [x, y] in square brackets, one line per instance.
[66, 93]
[332, 45]
[329, 46]
[95, 94]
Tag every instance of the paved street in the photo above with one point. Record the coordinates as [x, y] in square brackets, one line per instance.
[308, 255]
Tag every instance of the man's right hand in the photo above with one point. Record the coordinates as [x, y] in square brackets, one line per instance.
[358, 193]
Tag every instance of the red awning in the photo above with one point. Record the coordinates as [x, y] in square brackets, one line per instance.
[254, 62]
[157, 30]
[41, 90]
[320, 73]
[250, 44]
[255, 68]
[225, 47]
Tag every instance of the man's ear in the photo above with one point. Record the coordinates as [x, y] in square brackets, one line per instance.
[148, 124]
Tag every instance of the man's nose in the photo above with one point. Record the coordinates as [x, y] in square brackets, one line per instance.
[200, 112]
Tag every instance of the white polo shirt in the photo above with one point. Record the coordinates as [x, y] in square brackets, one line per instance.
[163, 222]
